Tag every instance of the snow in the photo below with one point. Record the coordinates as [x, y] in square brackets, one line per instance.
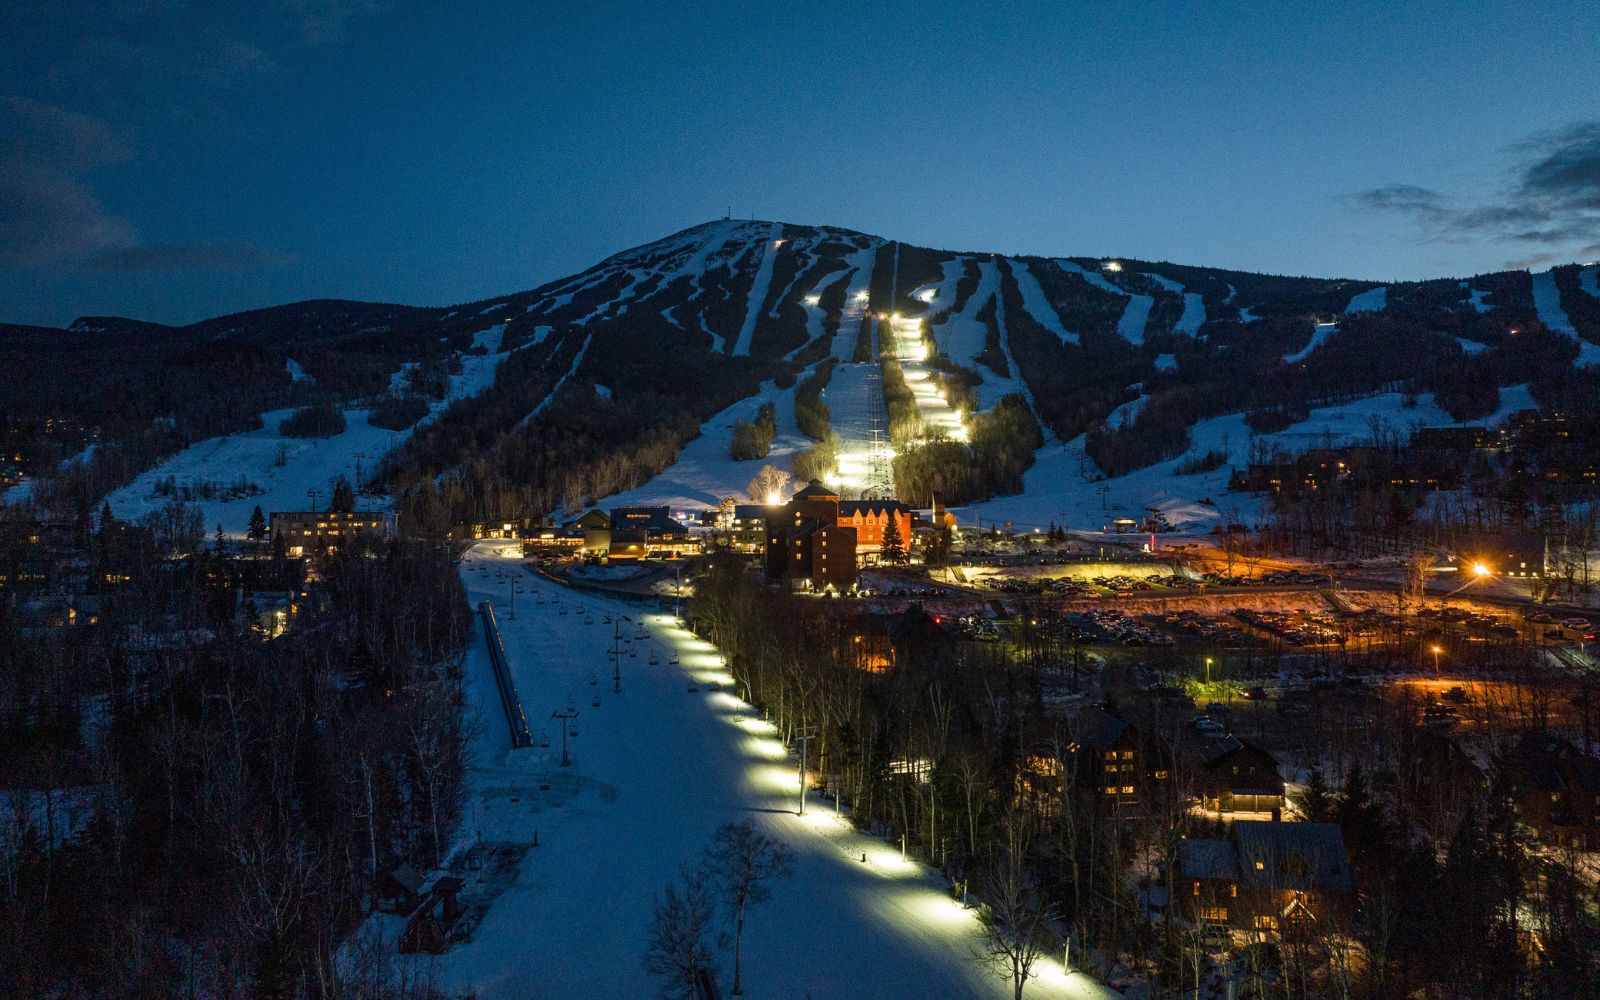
[1166, 363]
[758, 291]
[309, 463]
[655, 770]
[296, 373]
[1194, 305]
[604, 392]
[1063, 485]
[1471, 346]
[1372, 300]
[856, 296]
[704, 474]
[1589, 280]
[577, 361]
[1319, 336]
[1247, 315]
[1039, 307]
[962, 334]
[1547, 300]
[1134, 315]
[1475, 297]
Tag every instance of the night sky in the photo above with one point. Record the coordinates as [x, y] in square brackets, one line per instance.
[172, 161]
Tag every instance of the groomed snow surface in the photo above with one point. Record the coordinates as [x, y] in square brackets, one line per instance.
[1063, 485]
[1547, 300]
[655, 770]
[309, 463]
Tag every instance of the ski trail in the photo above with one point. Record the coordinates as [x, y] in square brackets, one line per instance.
[758, 291]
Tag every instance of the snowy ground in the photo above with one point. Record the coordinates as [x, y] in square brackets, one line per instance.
[309, 463]
[704, 474]
[1063, 486]
[655, 770]
[1547, 300]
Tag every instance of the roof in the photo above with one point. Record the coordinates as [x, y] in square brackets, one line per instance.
[651, 519]
[1226, 747]
[408, 878]
[749, 510]
[848, 508]
[1292, 855]
[1208, 859]
[1098, 730]
[814, 490]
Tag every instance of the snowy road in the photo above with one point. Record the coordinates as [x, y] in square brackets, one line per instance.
[655, 770]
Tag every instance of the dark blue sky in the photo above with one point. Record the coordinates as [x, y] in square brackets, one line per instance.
[172, 160]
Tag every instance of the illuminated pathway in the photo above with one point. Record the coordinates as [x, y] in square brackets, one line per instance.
[911, 350]
[655, 770]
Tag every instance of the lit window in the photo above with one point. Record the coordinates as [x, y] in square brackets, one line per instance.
[1195, 888]
[1127, 789]
[1214, 914]
[1261, 866]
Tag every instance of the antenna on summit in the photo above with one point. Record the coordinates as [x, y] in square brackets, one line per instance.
[729, 215]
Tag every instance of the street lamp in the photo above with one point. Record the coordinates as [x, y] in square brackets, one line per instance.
[1208, 670]
[1436, 651]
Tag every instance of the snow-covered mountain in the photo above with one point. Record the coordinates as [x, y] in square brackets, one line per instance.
[649, 359]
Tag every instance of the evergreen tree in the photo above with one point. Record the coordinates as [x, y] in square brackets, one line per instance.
[894, 545]
[344, 496]
[220, 544]
[258, 525]
[1318, 801]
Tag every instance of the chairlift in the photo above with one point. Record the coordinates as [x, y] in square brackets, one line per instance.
[592, 679]
[544, 740]
[596, 702]
[607, 620]
[673, 660]
[633, 653]
[588, 621]
[655, 660]
[693, 687]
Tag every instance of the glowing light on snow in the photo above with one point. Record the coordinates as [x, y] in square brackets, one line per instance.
[1113, 266]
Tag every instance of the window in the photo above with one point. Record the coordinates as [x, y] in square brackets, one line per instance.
[1111, 789]
[1127, 789]
[1111, 769]
[1214, 914]
[1161, 775]
[1233, 890]
[1195, 888]
[1127, 755]
[1261, 866]
[1266, 922]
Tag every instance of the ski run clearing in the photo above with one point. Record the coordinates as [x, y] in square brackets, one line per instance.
[655, 770]
[307, 463]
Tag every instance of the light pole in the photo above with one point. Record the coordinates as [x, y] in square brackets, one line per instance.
[804, 737]
[1208, 670]
[1436, 652]
[516, 588]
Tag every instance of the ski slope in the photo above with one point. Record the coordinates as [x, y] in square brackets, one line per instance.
[704, 475]
[1134, 315]
[1063, 485]
[1039, 307]
[308, 463]
[1547, 301]
[655, 770]
[758, 291]
[1194, 305]
[1371, 300]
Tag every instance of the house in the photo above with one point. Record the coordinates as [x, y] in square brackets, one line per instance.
[1236, 776]
[879, 642]
[1557, 789]
[664, 535]
[627, 545]
[1512, 554]
[806, 545]
[589, 531]
[871, 520]
[314, 532]
[1266, 877]
[1117, 762]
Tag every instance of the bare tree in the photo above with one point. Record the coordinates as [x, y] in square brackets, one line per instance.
[770, 481]
[683, 941]
[1015, 917]
[743, 859]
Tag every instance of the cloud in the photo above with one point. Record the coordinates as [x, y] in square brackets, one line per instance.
[47, 214]
[200, 256]
[1550, 209]
[49, 218]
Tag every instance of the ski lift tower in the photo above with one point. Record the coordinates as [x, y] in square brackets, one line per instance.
[879, 484]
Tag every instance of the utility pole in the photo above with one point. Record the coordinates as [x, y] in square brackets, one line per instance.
[566, 716]
[804, 736]
[516, 588]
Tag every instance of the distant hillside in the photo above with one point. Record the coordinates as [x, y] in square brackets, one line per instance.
[607, 374]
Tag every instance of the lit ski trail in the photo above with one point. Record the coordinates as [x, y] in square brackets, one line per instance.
[655, 770]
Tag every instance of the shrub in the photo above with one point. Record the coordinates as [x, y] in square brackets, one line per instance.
[753, 438]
